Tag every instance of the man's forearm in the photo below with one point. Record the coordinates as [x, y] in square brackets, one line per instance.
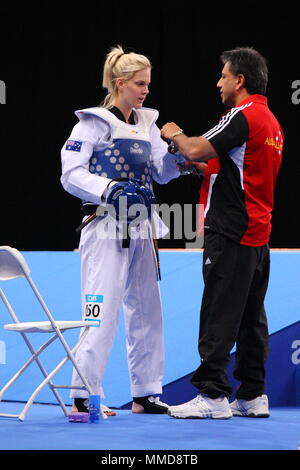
[195, 148]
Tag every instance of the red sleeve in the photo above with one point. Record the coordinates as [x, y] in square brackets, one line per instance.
[213, 167]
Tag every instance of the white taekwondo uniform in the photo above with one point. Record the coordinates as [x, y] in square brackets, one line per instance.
[101, 148]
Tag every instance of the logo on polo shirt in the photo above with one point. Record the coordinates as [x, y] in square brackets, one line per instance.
[277, 143]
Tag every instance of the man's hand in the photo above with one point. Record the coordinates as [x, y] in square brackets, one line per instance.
[169, 129]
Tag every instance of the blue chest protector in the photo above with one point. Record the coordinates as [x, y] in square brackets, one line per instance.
[128, 153]
[124, 158]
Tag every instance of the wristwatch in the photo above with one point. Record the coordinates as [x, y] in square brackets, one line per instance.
[177, 133]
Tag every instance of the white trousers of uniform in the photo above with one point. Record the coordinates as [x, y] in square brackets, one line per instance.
[124, 277]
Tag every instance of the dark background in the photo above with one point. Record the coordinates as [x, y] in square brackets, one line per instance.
[51, 61]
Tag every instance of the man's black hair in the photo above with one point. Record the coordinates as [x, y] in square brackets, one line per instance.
[250, 63]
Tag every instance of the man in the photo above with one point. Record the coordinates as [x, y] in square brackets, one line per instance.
[248, 143]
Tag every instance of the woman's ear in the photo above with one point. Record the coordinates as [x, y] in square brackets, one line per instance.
[120, 83]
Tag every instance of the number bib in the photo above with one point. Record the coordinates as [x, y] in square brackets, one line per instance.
[93, 307]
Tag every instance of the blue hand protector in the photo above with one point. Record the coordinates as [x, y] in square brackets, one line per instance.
[123, 195]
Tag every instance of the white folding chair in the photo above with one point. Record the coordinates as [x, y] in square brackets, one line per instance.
[13, 265]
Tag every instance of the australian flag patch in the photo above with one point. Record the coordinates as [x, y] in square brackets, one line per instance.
[73, 145]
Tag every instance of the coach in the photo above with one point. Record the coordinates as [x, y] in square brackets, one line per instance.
[248, 142]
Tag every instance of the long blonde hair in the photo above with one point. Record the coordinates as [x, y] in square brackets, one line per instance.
[119, 64]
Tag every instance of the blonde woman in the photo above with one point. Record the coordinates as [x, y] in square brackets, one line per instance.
[119, 141]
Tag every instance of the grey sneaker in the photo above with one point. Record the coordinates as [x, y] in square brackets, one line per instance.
[256, 408]
[202, 407]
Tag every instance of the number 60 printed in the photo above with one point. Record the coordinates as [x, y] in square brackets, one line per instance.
[93, 304]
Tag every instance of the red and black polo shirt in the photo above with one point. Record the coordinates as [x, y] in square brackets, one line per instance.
[249, 142]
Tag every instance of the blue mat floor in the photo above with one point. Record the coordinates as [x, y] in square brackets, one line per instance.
[46, 428]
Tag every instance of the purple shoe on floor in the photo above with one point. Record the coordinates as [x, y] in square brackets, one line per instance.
[78, 417]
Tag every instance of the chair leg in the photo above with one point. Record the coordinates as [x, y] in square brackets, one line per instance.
[45, 374]
[59, 333]
[53, 372]
[34, 353]
[27, 364]
[39, 388]
[35, 358]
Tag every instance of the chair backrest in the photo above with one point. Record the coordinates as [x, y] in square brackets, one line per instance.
[12, 264]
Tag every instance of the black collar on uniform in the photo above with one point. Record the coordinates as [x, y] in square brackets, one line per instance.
[120, 115]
